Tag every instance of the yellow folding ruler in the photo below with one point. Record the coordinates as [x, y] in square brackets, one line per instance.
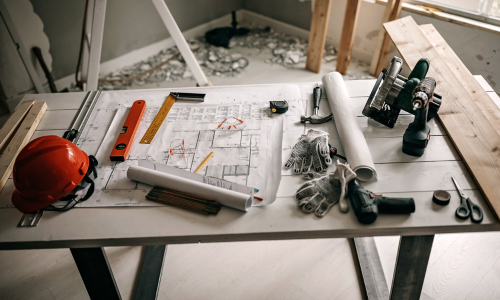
[163, 112]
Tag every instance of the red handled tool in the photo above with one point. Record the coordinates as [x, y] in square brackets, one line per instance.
[124, 141]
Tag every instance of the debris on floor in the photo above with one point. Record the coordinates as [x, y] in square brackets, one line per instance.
[278, 48]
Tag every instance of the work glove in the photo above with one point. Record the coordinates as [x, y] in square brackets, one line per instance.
[311, 150]
[322, 192]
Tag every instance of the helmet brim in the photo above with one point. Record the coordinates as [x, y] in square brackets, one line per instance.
[27, 205]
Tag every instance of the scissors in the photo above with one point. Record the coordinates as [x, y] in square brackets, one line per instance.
[467, 207]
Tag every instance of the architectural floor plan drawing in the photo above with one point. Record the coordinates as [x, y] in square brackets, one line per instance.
[247, 146]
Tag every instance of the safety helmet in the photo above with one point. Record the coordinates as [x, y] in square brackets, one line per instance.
[48, 169]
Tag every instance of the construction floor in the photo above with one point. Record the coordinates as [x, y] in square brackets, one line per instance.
[461, 266]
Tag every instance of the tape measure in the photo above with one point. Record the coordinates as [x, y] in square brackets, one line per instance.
[158, 120]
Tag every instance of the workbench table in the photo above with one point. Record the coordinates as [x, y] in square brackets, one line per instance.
[86, 230]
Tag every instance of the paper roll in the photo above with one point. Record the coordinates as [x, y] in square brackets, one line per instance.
[225, 197]
[353, 141]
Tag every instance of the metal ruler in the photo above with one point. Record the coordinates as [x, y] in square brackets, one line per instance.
[158, 120]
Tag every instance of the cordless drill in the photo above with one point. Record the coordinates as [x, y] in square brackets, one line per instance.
[417, 134]
[367, 205]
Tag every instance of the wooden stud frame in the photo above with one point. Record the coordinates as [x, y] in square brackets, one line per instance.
[347, 37]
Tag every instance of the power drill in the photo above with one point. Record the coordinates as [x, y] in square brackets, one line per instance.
[417, 134]
[367, 205]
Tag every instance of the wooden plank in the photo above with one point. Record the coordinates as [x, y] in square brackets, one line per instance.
[478, 94]
[347, 37]
[19, 140]
[392, 11]
[13, 122]
[57, 119]
[476, 140]
[394, 178]
[317, 35]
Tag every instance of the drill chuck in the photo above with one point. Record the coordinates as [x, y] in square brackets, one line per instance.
[424, 91]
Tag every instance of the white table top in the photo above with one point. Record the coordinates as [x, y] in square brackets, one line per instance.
[398, 175]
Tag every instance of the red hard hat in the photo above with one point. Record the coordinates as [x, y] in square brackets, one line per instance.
[47, 169]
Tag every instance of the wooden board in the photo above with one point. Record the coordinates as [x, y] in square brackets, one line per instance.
[13, 122]
[482, 99]
[317, 36]
[347, 37]
[475, 138]
[20, 140]
[392, 11]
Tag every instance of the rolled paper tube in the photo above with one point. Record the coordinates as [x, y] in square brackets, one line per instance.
[353, 141]
[225, 197]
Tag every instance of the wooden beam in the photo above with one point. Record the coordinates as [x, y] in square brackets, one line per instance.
[317, 35]
[475, 138]
[482, 99]
[13, 122]
[347, 37]
[392, 11]
[20, 140]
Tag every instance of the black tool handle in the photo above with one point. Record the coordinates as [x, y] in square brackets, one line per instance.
[476, 213]
[388, 205]
[316, 96]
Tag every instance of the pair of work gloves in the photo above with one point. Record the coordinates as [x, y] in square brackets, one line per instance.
[322, 191]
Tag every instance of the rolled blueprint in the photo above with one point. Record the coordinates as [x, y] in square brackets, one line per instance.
[225, 197]
[353, 141]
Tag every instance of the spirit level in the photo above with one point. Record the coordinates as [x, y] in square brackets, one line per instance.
[124, 141]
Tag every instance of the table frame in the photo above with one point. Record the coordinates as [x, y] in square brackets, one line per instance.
[414, 249]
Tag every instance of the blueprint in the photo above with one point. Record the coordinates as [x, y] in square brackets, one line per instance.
[234, 123]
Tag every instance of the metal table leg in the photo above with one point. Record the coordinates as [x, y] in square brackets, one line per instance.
[411, 265]
[99, 280]
[370, 266]
[150, 275]
[409, 274]
[96, 273]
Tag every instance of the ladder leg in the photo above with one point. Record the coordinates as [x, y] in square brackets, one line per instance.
[181, 43]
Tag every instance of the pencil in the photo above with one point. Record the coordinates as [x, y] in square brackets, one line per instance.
[203, 163]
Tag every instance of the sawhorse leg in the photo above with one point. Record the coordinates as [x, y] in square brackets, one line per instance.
[409, 273]
[98, 278]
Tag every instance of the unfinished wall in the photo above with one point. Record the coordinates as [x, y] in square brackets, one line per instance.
[293, 12]
[129, 25]
[479, 50]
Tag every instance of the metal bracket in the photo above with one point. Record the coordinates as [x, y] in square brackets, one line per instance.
[31, 219]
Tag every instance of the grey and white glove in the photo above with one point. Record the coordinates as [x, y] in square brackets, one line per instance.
[321, 193]
[311, 150]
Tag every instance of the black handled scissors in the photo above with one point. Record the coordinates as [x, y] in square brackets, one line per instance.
[467, 207]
